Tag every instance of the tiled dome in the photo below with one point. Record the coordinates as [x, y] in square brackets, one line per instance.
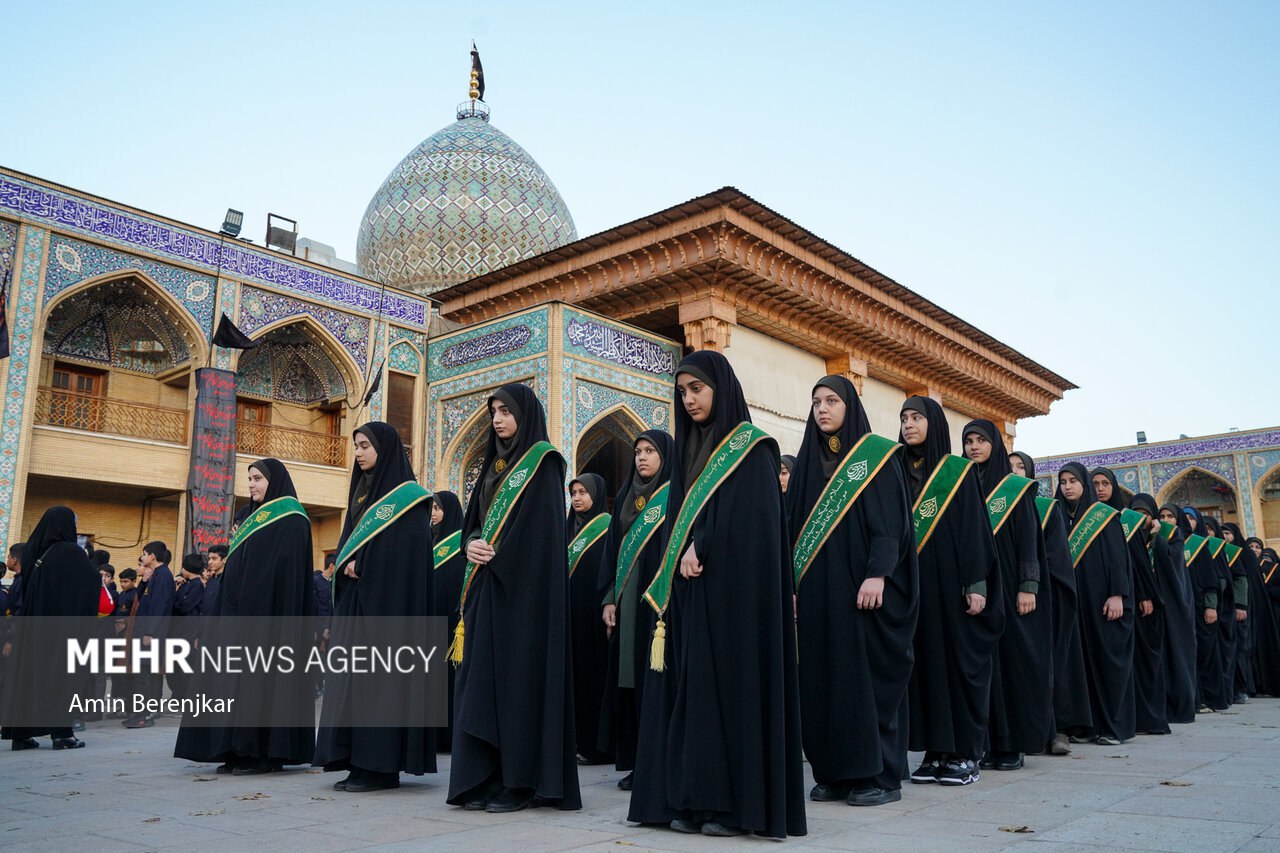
[467, 201]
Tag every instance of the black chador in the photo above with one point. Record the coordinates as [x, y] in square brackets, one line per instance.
[585, 532]
[513, 733]
[449, 562]
[389, 580]
[1022, 676]
[267, 574]
[1071, 709]
[857, 601]
[1174, 582]
[57, 580]
[1226, 609]
[732, 748]
[1265, 631]
[1150, 673]
[1269, 568]
[1103, 579]
[1206, 581]
[638, 521]
[961, 603]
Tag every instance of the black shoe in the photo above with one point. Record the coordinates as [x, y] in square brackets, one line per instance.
[228, 767]
[874, 797]
[988, 761]
[25, 743]
[341, 784]
[1009, 761]
[719, 830]
[257, 768]
[67, 743]
[690, 827]
[927, 772]
[958, 771]
[510, 800]
[823, 793]
[366, 782]
[139, 723]
[482, 796]
[626, 781]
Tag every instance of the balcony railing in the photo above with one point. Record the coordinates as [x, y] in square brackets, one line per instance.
[299, 445]
[58, 407]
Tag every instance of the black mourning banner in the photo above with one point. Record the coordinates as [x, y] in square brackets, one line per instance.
[211, 481]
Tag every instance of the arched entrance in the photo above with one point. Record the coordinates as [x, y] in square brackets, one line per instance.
[1268, 490]
[1205, 491]
[606, 448]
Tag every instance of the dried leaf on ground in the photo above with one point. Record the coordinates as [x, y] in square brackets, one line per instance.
[204, 778]
[256, 795]
[1176, 783]
[207, 812]
[151, 820]
[1020, 828]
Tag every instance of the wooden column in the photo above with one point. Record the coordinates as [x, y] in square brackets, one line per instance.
[850, 367]
[708, 323]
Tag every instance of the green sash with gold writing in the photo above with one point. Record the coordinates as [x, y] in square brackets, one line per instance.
[1132, 521]
[936, 496]
[1086, 531]
[382, 515]
[504, 501]
[587, 536]
[1233, 553]
[860, 465]
[448, 548]
[1004, 497]
[269, 513]
[1215, 545]
[647, 523]
[1194, 545]
[1044, 506]
[724, 460]
[1166, 533]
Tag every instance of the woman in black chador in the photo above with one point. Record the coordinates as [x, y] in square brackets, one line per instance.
[1176, 592]
[513, 733]
[1227, 607]
[1070, 682]
[587, 632]
[732, 749]
[1022, 676]
[58, 580]
[961, 605]
[449, 563]
[267, 574]
[1106, 613]
[628, 620]
[385, 578]
[1264, 662]
[1150, 671]
[856, 609]
[1206, 582]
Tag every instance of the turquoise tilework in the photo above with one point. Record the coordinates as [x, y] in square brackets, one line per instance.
[22, 317]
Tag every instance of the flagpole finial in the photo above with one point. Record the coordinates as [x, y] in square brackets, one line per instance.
[475, 107]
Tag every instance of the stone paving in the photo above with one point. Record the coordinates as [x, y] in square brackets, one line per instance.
[1213, 786]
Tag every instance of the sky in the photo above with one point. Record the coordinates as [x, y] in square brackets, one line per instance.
[1094, 183]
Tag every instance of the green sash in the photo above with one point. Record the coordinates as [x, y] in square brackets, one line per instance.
[1194, 545]
[642, 529]
[859, 466]
[1166, 530]
[587, 536]
[1044, 506]
[1132, 521]
[1086, 531]
[382, 515]
[1215, 545]
[724, 460]
[269, 513]
[1233, 553]
[448, 548]
[1166, 533]
[1004, 497]
[936, 496]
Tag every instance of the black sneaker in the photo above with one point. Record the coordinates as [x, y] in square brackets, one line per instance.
[958, 771]
[927, 772]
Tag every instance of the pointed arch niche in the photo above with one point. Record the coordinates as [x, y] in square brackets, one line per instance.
[605, 447]
[1206, 491]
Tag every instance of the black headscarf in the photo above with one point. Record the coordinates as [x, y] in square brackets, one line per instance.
[1087, 499]
[58, 524]
[728, 409]
[637, 491]
[1182, 522]
[789, 462]
[1269, 555]
[279, 483]
[1212, 526]
[391, 469]
[531, 427]
[1253, 539]
[1027, 462]
[1117, 499]
[594, 484]
[810, 476]
[452, 521]
[1144, 501]
[997, 466]
[920, 460]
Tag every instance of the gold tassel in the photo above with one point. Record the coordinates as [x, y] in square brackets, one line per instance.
[658, 651]
[455, 647]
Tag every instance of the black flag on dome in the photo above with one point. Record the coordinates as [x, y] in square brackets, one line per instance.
[478, 70]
